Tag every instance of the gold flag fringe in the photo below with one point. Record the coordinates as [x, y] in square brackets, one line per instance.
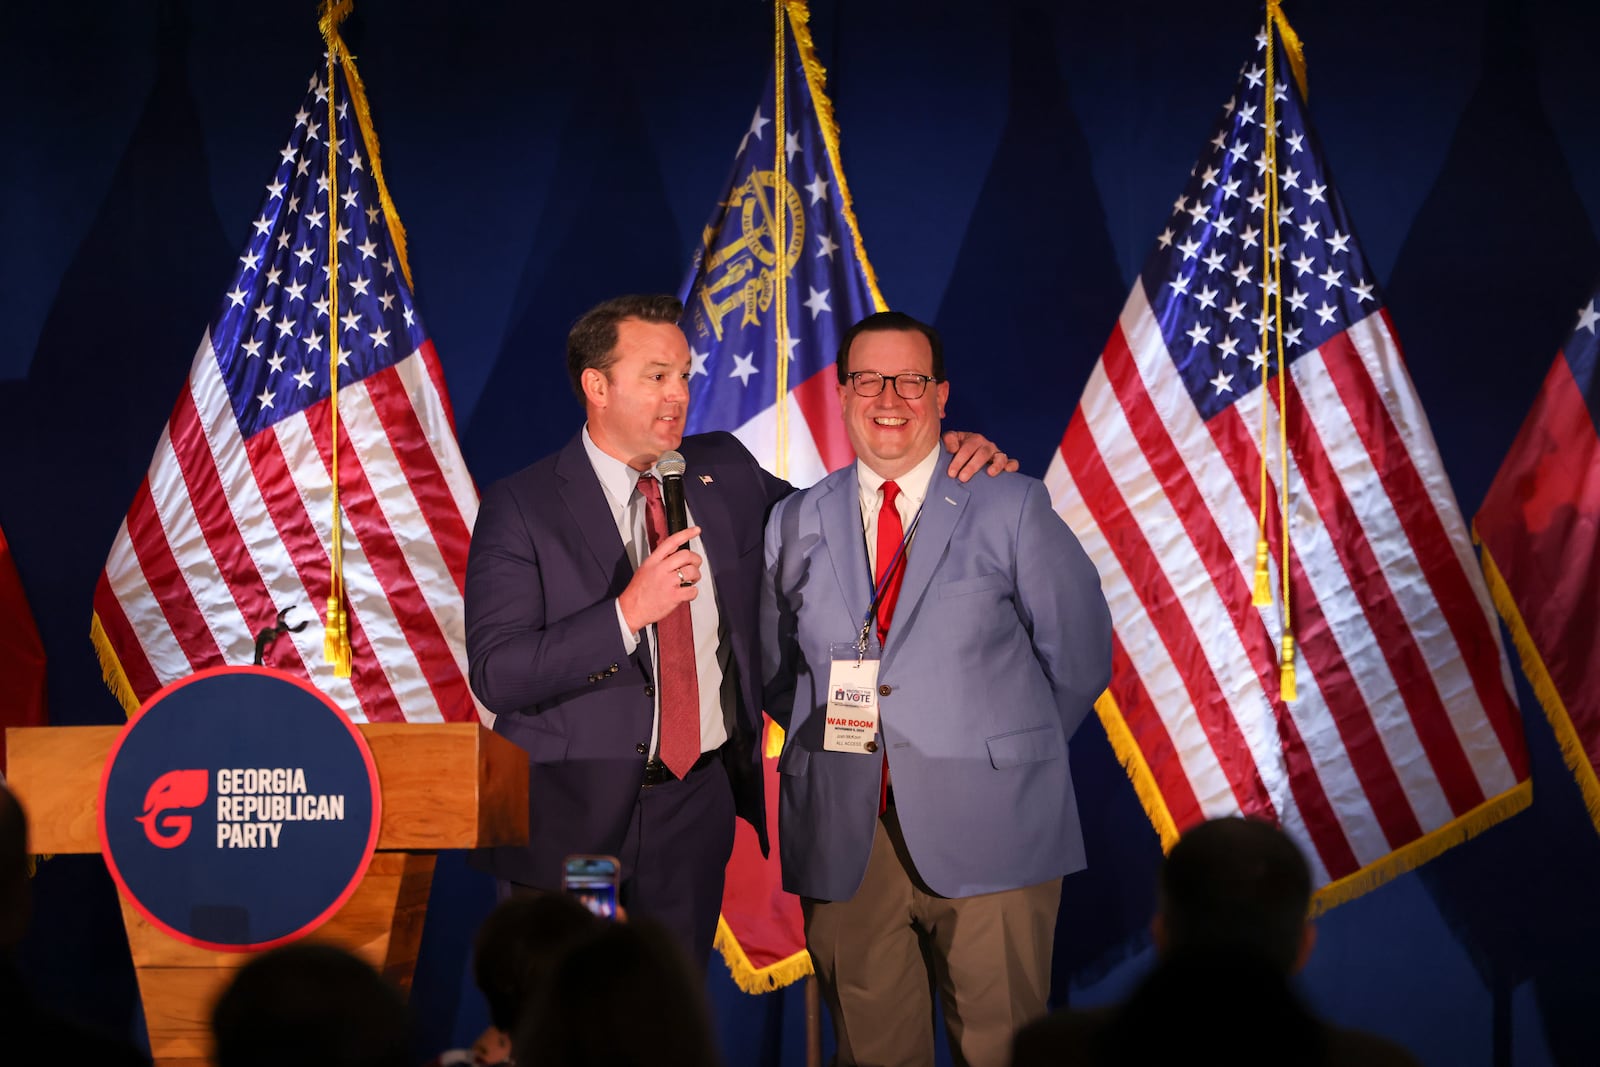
[111, 667]
[369, 135]
[816, 81]
[1291, 44]
[1131, 756]
[1544, 688]
[1404, 859]
[1411, 856]
[750, 978]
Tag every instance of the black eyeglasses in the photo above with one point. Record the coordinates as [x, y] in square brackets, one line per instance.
[907, 386]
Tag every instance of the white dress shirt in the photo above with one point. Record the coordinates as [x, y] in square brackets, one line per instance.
[913, 488]
[621, 485]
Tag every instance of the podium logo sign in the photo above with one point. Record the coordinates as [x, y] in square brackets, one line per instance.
[239, 809]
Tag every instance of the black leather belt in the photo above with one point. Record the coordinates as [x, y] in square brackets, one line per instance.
[656, 773]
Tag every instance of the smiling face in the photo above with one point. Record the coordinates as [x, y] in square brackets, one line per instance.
[890, 433]
[638, 405]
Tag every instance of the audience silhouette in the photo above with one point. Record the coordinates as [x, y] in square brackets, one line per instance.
[1230, 932]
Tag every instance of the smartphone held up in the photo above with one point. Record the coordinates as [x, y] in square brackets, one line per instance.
[593, 881]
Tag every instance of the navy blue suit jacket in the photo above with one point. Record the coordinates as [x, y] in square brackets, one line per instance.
[545, 650]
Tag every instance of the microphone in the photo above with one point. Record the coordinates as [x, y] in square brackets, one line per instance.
[669, 469]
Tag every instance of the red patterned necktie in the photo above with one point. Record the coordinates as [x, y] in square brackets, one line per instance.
[675, 670]
[890, 533]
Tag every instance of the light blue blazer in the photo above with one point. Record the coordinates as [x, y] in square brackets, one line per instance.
[1000, 644]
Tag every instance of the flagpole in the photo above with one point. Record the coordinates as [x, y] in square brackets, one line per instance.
[1272, 313]
[336, 636]
[780, 208]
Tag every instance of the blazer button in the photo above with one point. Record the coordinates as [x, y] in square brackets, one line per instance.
[649, 690]
[885, 690]
[593, 678]
[641, 748]
[613, 669]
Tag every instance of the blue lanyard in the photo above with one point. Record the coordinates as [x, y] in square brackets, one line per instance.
[883, 586]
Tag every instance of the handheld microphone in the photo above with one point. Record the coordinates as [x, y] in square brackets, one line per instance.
[669, 469]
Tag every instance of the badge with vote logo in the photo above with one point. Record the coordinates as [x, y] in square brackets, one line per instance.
[851, 723]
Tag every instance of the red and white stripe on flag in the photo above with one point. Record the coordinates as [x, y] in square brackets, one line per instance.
[1405, 736]
[225, 531]
[233, 522]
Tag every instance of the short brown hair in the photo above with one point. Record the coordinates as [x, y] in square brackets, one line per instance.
[592, 341]
[896, 321]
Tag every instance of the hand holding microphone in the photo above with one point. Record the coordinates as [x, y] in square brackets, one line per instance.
[664, 580]
[667, 577]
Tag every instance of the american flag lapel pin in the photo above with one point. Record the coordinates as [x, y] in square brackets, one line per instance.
[705, 479]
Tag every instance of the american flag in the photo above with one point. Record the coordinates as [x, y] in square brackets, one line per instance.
[233, 521]
[729, 315]
[1404, 737]
[1538, 530]
[730, 318]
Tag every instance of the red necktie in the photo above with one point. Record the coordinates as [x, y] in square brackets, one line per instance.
[890, 533]
[675, 670]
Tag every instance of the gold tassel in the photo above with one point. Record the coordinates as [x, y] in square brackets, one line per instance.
[330, 630]
[336, 638]
[1263, 590]
[1286, 672]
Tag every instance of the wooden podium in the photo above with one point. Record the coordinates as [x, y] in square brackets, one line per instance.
[445, 786]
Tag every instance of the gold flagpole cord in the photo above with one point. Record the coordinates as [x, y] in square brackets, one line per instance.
[1277, 24]
[336, 634]
[780, 244]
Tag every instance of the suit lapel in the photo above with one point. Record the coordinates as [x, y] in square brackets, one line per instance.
[586, 501]
[709, 511]
[839, 511]
[941, 510]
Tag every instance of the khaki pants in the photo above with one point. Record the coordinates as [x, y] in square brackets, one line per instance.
[882, 955]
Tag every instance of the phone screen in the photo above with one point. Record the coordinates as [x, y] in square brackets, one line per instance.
[593, 881]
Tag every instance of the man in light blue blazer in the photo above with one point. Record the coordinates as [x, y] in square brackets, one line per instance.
[926, 809]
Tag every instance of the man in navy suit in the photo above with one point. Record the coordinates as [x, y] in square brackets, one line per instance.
[622, 659]
[930, 648]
